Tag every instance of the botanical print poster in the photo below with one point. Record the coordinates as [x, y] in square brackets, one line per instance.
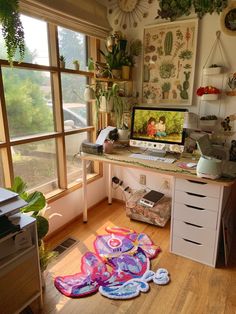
[168, 62]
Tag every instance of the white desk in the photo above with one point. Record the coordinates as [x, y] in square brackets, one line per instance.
[197, 204]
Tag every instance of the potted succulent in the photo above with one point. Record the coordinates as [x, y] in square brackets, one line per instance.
[12, 29]
[62, 60]
[76, 65]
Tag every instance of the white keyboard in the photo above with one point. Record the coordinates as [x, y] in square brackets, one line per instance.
[153, 158]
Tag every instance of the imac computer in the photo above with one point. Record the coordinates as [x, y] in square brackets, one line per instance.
[158, 130]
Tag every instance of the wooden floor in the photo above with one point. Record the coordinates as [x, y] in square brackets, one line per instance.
[194, 288]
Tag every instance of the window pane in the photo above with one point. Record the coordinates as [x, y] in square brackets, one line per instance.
[1, 171]
[27, 95]
[36, 42]
[74, 168]
[73, 46]
[74, 106]
[36, 164]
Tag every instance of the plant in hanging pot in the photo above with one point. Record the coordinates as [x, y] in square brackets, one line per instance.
[12, 29]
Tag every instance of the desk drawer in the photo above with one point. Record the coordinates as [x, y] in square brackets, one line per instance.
[198, 187]
[197, 200]
[201, 253]
[198, 234]
[198, 216]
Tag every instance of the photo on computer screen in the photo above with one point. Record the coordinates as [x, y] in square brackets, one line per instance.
[158, 124]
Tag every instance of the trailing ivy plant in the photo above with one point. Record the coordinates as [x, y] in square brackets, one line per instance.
[173, 9]
[208, 6]
[12, 29]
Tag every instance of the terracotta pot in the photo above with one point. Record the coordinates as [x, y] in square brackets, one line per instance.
[116, 73]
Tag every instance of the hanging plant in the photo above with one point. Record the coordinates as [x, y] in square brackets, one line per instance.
[12, 29]
[208, 6]
[173, 9]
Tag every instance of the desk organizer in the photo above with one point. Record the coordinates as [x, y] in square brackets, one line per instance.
[157, 215]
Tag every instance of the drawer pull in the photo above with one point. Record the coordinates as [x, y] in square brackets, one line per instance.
[193, 194]
[188, 223]
[197, 243]
[195, 207]
[198, 182]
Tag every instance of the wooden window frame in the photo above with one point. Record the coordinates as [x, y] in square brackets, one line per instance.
[59, 133]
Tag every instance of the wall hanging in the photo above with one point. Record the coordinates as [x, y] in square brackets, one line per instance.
[128, 13]
[169, 62]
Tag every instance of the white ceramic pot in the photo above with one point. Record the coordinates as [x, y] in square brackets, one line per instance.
[123, 134]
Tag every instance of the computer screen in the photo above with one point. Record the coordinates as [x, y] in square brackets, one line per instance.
[157, 127]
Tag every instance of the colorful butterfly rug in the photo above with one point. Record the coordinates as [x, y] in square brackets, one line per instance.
[119, 268]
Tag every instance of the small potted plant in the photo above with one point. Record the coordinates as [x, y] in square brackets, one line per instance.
[76, 65]
[213, 69]
[62, 61]
[208, 92]
[231, 82]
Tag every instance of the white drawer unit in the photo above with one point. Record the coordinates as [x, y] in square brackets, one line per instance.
[196, 251]
[196, 215]
[195, 233]
[198, 187]
[198, 200]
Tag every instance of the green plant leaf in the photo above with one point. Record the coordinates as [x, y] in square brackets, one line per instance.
[19, 186]
[42, 226]
[36, 202]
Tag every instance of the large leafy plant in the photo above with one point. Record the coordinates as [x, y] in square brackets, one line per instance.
[173, 9]
[36, 203]
[12, 29]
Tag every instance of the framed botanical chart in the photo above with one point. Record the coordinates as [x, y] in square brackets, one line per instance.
[168, 62]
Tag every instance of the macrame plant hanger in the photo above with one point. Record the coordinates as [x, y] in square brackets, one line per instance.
[217, 44]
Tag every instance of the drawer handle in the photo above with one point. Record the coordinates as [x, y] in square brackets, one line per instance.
[195, 207]
[197, 243]
[193, 194]
[197, 182]
[188, 223]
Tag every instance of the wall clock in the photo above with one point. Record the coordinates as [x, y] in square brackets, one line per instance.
[128, 13]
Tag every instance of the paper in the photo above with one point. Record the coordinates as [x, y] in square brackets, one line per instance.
[104, 134]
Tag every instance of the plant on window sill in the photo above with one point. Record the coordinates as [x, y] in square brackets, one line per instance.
[12, 29]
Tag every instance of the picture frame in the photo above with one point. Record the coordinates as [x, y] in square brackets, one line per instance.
[228, 20]
[169, 56]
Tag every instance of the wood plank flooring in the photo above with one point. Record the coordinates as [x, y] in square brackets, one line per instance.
[194, 287]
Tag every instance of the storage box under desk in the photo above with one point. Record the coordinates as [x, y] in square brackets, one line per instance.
[157, 215]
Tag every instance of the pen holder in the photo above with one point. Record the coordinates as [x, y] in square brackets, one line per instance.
[108, 147]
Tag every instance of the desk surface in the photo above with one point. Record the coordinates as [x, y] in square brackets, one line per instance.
[121, 157]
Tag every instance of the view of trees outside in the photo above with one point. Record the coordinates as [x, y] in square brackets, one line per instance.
[29, 107]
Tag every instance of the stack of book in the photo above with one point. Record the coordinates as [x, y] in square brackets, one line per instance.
[10, 204]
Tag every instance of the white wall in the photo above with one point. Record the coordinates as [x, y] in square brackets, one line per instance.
[70, 206]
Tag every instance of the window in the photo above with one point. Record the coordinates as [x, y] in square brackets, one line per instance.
[43, 117]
